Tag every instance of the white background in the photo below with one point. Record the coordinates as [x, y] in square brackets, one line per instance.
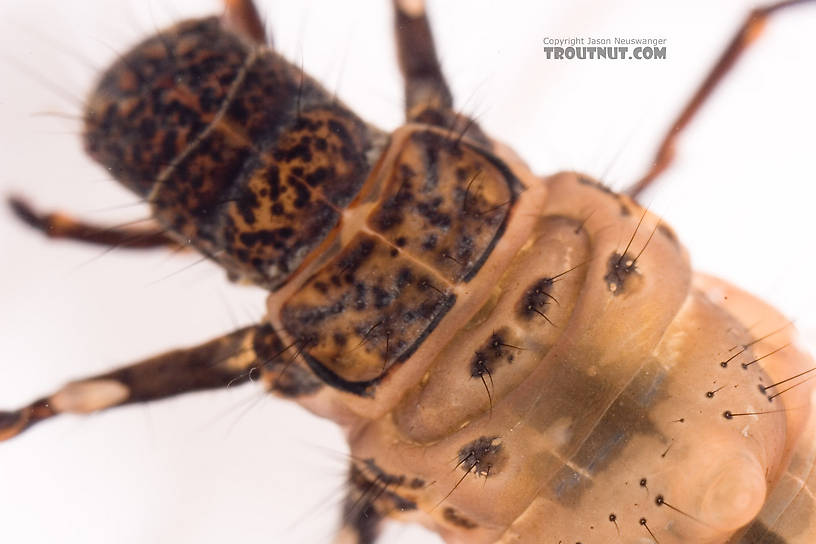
[235, 465]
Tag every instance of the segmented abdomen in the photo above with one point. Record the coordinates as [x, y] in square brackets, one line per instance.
[570, 378]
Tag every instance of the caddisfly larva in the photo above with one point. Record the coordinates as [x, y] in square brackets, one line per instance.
[577, 126]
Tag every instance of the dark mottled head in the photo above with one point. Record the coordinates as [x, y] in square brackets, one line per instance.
[237, 150]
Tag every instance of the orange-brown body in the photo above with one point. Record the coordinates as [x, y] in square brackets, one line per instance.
[610, 384]
[513, 358]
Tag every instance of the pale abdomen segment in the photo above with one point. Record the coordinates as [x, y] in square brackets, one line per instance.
[597, 393]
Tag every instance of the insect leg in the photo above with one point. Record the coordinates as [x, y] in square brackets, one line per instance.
[749, 31]
[228, 360]
[367, 503]
[243, 16]
[428, 98]
[425, 86]
[57, 225]
[361, 521]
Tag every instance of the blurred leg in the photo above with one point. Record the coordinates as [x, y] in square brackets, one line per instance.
[242, 16]
[749, 31]
[57, 225]
[225, 361]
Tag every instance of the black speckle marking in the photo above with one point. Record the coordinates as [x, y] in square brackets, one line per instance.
[492, 352]
[535, 299]
[318, 176]
[583, 180]
[454, 518]
[416, 483]
[356, 256]
[138, 126]
[376, 494]
[293, 380]
[619, 268]
[430, 211]
[427, 202]
[405, 276]
[382, 476]
[296, 381]
[483, 456]
[321, 287]
[383, 303]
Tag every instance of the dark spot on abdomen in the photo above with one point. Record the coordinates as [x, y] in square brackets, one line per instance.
[619, 270]
[759, 533]
[454, 518]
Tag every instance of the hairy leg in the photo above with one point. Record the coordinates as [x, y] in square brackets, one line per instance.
[427, 96]
[229, 360]
[58, 225]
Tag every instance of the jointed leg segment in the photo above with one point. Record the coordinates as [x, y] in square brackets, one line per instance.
[229, 360]
[57, 225]
[425, 86]
[428, 98]
[748, 32]
[243, 16]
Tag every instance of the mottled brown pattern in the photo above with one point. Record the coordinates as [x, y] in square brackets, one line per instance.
[503, 343]
[369, 499]
[367, 309]
[152, 103]
[507, 366]
[444, 203]
[286, 375]
[288, 195]
[325, 149]
[214, 131]
[276, 220]
[191, 196]
[203, 367]
[232, 359]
